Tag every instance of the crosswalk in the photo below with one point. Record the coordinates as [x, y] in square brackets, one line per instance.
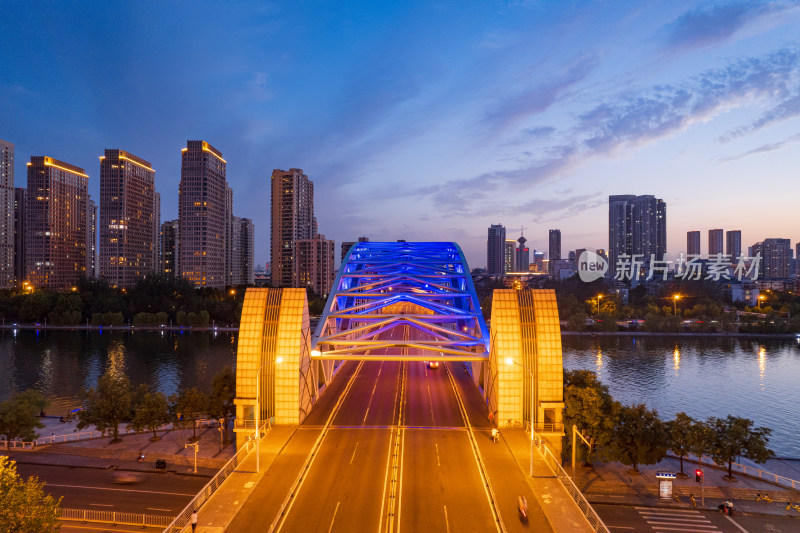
[685, 521]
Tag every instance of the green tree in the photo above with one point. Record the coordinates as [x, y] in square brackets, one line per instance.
[223, 392]
[189, 407]
[109, 405]
[151, 412]
[19, 415]
[736, 437]
[24, 506]
[680, 434]
[589, 406]
[640, 437]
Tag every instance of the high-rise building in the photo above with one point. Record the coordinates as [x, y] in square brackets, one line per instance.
[636, 225]
[314, 266]
[91, 239]
[230, 260]
[128, 222]
[19, 234]
[349, 244]
[6, 214]
[292, 201]
[776, 258]
[797, 259]
[202, 209]
[693, 243]
[495, 250]
[56, 233]
[510, 256]
[733, 246]
[241, 246]
[170, 248]
[555, 248]
[523, 259]
[156, 233]
[715, 242]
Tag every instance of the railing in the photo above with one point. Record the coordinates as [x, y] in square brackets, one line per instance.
[17, 444]
[767, 476]
[577, 496]
[84, 435]
[180, 521]
[547, 427]
[115, 517]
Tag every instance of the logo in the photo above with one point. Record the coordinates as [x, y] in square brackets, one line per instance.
[591, 266]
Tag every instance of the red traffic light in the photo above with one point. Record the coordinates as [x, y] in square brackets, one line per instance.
[698, 475]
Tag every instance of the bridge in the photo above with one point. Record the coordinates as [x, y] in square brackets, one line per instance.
[394, 394]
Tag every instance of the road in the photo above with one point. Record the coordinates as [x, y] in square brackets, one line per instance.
[393, 451]
[92, 488]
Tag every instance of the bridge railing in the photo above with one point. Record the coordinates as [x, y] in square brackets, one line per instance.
[181, 521]
[114, 517]
[575, 493]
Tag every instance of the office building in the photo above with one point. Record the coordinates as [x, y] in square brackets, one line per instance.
[128, 223]
[523, 259]
[555, 248]
[56, 232]
[170, 249]
[733, 244]
[6, 214]
[715, 242]
[314, 264]
[692, 243]
[230, 223]
[241, 246]
[19, 234]
[292, 201]
[156, 262]
[495, 250]
[636, 225]
[202, 211]
[92, 256]
[776, 258]
[510, 256]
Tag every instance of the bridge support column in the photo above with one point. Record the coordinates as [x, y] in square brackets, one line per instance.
[274, 350]
[525, 377]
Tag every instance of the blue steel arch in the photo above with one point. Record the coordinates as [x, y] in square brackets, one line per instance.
[422, 289]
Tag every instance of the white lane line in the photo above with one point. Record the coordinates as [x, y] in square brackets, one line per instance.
[683, 529]
[668, 525]
[354, 453]
[157, 509]
[671, 511]
[101, 504]
[334, 516]
[437, 457]
[446, 521]
[371, 396]
[735, 524]
[120, 490]
[430, 400]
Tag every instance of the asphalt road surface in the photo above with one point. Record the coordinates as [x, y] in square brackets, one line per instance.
[393, 452]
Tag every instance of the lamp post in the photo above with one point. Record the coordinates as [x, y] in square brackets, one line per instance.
[599, 297]
[196, 447]
[510, 361]
[675, 304]
[277, 360]
[761, 298]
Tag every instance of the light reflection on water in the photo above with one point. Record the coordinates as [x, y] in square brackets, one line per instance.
[61, 363]
[700, 376]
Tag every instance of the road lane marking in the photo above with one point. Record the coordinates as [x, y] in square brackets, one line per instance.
[120, 490]
[735, 524]
[437, 458]
[372, 395]
[354, 453]
[334, 516]
[389, 452]
[430, 401]
[102, 504]
[157, 509]
[446, 521]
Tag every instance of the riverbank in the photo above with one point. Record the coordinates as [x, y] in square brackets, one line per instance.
[90, 327]
[686, 334]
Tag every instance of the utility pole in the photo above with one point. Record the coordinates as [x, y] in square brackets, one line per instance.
[196, 447]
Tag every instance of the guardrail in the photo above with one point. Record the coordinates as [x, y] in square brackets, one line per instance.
[575, 493]
[180, 522]
[114, 517]
[84, 435]
[767, 476]
[17, 444]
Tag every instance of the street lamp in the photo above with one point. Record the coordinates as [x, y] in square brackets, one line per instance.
[277, 360]
[675, 304]
[599, 297]
[510, 361]
[196, 447]
[761, 298]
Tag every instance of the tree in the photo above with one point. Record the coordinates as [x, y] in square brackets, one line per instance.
[19, 415]
[109, 405]
[223, 392]
[24, 507]
[680, 434]
[736, 437]
[189, 407]
[640, 437]
[151, 412]
[589, 406]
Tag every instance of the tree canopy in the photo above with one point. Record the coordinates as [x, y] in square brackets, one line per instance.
[24, 506]
[109, 405]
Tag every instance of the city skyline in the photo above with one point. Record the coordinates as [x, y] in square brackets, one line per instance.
[524, 114]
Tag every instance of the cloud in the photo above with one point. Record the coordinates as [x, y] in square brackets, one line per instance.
[788, 108]
[709, 25]
[764, 148]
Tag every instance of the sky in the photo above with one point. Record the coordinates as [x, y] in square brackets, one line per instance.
[431, 120]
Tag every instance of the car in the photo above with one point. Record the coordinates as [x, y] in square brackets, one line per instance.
[433, 364]
[126, 478]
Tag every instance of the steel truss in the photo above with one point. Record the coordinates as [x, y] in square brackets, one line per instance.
[423, 288]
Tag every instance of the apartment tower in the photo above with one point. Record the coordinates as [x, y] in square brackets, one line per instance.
[636, 225]
[127, 218]
[202, 211]
[495, 250]
[170, 248]
[6, 214]
[19, 234]
[715, 242]
[733, 244]
[554, 252]
[314, 266]
[292, 201]
[692, 243]
[56, 217]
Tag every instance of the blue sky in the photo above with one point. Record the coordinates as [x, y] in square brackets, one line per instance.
[429, 120]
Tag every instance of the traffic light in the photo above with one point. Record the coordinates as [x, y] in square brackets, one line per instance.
[698, 475]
